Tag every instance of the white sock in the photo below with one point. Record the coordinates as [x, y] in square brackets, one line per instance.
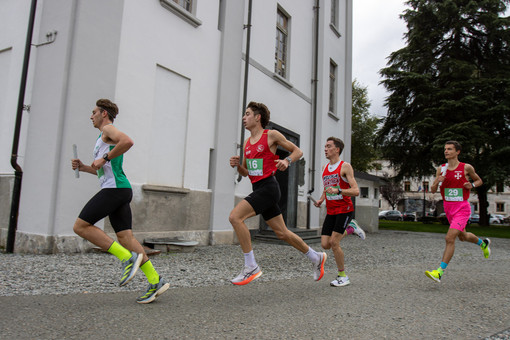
[313, 255]
[249, 259]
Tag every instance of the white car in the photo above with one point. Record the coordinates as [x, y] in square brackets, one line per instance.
[496, 219]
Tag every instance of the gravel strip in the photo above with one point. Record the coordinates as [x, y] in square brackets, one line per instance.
[215, 265]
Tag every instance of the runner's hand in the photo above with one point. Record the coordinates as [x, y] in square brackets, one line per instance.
[282, 164]
[76, 164]
[98, 164]
[235, 161]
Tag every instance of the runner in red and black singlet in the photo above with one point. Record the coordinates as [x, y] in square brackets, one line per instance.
[260, 163]
[339, 185]
[455, 190]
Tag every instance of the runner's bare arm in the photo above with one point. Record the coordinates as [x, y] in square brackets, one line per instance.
[77, 164]
[470, 171]
[122, 142]
[235, 162]
[275, 138]
[348, 173]
[439, 179]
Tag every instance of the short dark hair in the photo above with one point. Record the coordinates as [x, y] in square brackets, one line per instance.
[455, 144]
[262, 110]
[338, 143]
[108, 106]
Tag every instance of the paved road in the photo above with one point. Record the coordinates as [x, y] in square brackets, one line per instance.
[387, 301]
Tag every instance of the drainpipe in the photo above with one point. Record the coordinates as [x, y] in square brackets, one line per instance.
[315, 80]
[245, 88]
[18, 172]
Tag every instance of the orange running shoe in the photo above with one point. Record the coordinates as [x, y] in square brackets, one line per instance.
[318, 268]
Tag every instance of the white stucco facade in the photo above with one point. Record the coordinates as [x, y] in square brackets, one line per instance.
[177, 78]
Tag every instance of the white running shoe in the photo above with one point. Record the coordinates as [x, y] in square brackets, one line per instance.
[357, 229]
[340, 281]
[247, 275]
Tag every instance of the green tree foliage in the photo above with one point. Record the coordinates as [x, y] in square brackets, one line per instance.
[364, 129]
[451, 82]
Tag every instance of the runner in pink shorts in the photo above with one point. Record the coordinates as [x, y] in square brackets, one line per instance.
[455, 190]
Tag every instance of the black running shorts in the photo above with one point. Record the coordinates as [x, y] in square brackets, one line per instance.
[265, 197]
[111, 202]
[336, 223]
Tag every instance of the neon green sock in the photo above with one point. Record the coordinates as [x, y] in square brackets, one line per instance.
[119, 251]
[150, 272]
[341, 273]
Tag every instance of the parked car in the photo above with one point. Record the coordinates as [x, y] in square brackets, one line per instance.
[393, 215]
[501, 218]
[409, 216]
[475, 218]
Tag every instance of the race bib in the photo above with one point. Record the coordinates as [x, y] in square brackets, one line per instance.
[334, 197]
[255, 166]
[453, 194]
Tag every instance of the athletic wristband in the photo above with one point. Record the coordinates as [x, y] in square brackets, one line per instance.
[473, 184]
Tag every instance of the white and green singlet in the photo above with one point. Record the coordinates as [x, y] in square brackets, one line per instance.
[111, 175]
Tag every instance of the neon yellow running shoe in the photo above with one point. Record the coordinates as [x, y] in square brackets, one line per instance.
[435, 274]
[485, 248]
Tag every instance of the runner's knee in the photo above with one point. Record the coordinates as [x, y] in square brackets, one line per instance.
[79, 226]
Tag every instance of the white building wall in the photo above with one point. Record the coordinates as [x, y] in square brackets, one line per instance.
[155, 64]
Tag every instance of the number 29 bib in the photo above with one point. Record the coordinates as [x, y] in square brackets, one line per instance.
[453, 194]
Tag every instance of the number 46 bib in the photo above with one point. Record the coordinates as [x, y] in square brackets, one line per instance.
[453, 194]
[255, 166]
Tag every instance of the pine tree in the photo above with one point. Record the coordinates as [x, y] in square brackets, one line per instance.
[451, 82]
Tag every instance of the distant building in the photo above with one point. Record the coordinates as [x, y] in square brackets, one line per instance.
[416, 191]
[176, 71]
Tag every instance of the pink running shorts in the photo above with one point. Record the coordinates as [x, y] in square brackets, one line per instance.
[458, 214]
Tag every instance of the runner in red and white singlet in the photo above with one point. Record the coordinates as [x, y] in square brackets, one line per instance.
[259, 159]
[260, 163]
[332, 177]
[455, 190]
[339, 185]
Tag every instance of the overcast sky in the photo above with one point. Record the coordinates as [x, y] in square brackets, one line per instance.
[377, 31]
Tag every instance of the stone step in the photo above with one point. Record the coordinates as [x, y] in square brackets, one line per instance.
[310, 236]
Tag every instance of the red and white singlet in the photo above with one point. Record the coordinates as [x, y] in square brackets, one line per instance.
[336, 203]
[452, 188]
[260, 160]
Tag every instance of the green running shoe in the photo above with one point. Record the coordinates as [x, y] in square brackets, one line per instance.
[435, 274]
[486, 248]
[154, 291]
[130, 267]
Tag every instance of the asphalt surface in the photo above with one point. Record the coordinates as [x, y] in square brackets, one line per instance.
[389, 298]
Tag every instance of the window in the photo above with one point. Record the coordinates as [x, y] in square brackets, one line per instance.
[407, 186]
[500, 207]
[185, 9]
[475, 206]
[376, 193]
[282, 36]
[186, 4]
[332, 86]
[363, 192]
[334, 13]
